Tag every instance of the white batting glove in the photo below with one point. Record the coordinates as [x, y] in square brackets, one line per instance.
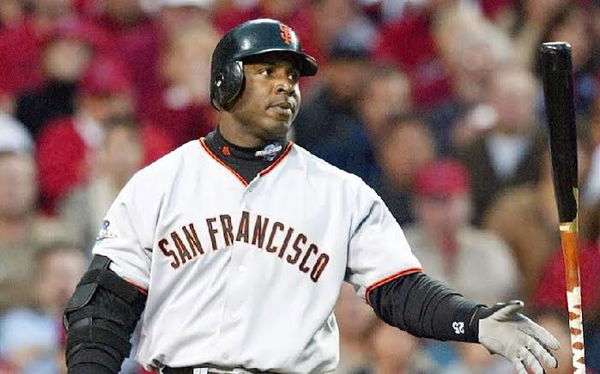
[510, 334]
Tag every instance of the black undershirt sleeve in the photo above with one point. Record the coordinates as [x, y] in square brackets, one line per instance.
[424, 307]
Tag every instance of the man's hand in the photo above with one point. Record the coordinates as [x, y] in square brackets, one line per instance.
[507, 332]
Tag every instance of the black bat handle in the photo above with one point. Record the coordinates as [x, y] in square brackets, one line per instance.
[560, 111]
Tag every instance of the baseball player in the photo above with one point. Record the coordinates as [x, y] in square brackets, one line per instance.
[235, 246]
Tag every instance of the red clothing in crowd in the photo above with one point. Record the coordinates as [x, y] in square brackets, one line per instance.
[409, 43]
[137, 46]
[181, 123]
[20, 51]
[551, 291]
[87, 7]
[7, 368]
[494, 8]
[64, 159]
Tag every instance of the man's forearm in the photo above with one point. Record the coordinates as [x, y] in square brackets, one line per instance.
[427, 308]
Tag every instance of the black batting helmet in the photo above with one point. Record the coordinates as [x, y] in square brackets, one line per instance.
[249, 39]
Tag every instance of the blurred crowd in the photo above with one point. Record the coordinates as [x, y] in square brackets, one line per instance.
[436, 104]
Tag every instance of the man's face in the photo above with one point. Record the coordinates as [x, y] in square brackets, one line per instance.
[17, 185]
[66, 59]
[270, 98]
[513, 97]
[444, 214]
[345, 78]
[58, 276]
[103, 108]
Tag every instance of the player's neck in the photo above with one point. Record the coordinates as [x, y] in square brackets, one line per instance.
[218, 142]
[237, 139]
[247, 162]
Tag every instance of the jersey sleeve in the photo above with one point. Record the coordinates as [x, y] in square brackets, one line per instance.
[378, 250]
[126, 235]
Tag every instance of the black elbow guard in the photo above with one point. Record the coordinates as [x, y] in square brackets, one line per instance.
[100, 318]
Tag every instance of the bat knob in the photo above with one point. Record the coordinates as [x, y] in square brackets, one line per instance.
[556, 56]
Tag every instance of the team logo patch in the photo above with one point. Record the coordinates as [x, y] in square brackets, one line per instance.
[286, 33]
[269, 152]
[225, 150]
[104, 232]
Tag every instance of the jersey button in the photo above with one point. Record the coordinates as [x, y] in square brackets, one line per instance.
[235, 317]
[242, 269]
[225, 356]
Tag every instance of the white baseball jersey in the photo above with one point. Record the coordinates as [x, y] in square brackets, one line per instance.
[247, 275]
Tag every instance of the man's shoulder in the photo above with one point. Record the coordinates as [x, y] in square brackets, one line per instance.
[172, 159]
[166, 169]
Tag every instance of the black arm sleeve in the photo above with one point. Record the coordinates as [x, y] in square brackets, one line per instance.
[426, 308]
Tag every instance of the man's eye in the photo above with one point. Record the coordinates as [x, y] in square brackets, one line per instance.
[294, 76]
[265, 71]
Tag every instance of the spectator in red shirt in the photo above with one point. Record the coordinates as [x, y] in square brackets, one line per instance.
[21, 45]
[11, 13]
[67, 145]
[410, 42]
[135, 39]
[65, 57]
[551, 291]
[181, 105]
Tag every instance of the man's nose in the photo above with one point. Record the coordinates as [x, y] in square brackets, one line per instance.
[285, 86]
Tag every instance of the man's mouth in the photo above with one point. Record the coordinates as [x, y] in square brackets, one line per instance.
[285, 108]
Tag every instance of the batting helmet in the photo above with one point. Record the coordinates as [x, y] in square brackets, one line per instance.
[249, 39]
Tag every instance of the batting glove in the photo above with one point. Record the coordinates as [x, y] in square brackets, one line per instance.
[509, 333]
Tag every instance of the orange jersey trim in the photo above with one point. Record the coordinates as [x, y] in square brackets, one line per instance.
[203, 144]
[287, 150]
[390, 278]
[139, 287]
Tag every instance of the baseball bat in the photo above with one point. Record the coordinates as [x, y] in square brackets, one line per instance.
[560, 112]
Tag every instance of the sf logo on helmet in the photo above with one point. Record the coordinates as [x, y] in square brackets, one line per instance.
[286, 33]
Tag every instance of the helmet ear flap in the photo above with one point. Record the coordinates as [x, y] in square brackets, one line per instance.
[227, 85]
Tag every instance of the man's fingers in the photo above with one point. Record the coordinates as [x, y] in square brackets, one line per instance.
[519, 366]
[518, 338]
[542, 355]
[540, 334]
[531, 362]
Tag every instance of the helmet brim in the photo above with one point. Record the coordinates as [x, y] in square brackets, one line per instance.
[307, 65]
